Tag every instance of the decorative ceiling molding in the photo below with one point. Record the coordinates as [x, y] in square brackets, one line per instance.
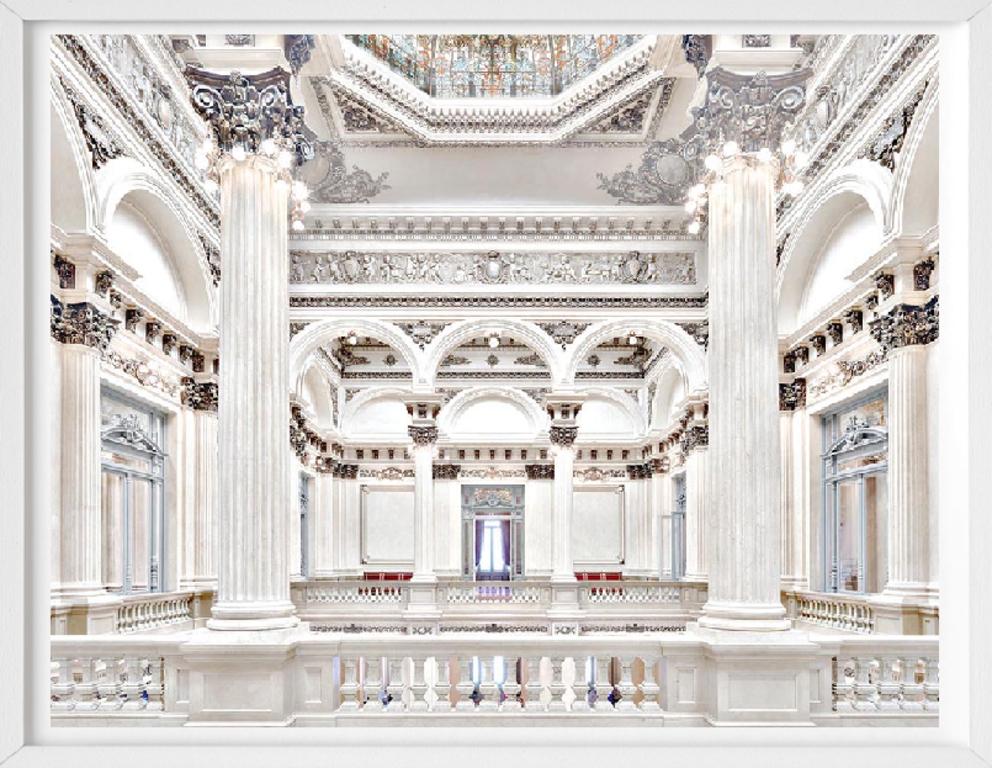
[492, 267]
[338, 185]
[386, 98]
[667, 169]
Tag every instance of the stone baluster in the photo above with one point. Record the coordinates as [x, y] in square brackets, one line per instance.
[843, 687]
[156, 684]
[394, 684]
[465, 685]
[649, 686]
[626, 686]
[931, 684]
[557, 686]
[443, 686]
[63, 689]
[580, 684]
[488, 693]
[349, 684]
[86, 689]
[890, 676]
[134, 684]
[511, 687]
[419, 700]
[373, 684]
[534, 687]
[109, 685]
[865, 691]
[912, 691]
[603, 686]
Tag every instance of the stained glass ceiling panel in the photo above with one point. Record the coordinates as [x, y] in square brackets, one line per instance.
[493, 66]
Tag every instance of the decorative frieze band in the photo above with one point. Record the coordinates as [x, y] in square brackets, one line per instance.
[493, 267]
[498, 302]
[907, 325]
[81, 323]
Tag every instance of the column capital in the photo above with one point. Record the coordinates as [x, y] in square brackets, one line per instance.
[640, 471]
[245, 111]
[81, 323]
[199, 395]
[907, 325]
[446, 471]
[751, 110]
[563, 436]
[422, 434]
[792, 395]
[540, 471]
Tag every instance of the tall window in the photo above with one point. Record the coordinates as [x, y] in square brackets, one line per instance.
[855, 498]
[133, 497]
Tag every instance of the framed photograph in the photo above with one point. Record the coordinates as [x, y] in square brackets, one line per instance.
[540, 383]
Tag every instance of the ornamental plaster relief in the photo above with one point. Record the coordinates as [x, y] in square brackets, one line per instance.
[353, 267]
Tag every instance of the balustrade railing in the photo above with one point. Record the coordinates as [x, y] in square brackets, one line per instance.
[847, 613]
[488, 593]
[106, 674]
[896, 675]
[143, 613]
[510, 676]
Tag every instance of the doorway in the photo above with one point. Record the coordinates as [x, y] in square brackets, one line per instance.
[492, 532]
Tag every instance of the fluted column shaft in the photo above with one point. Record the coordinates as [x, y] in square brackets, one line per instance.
[695, 511]
[562, 566]
[909, 509]
[253, 468]
[80, 527]
[423, 511]
[744, 548]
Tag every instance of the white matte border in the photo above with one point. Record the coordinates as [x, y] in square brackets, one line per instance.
[965, 404]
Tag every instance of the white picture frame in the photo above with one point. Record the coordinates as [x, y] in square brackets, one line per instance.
[964, 736]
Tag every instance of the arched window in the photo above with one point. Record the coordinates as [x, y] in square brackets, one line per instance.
[133, 497]
[855, 498]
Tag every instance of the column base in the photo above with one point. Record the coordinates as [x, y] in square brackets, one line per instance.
[908, 608]
[253, 616]
[745, 617]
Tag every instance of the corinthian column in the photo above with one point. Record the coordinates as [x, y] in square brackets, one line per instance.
[563, 411]
[423, 432]
[258, 137]
[742, 120]
[904, 333]
[84, 332]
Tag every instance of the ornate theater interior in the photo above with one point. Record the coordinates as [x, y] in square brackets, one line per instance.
[494, 379]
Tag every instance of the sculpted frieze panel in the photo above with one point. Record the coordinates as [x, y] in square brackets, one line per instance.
[355, 267]
[843, 373]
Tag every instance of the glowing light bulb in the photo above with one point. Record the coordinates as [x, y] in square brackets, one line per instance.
[298, 225]
[352, 338]
[789, 147]
[268, 146]
[765, 155]
[632, 339]
[493, 342]
[730, 149]
[238, 153]
[690, 206]
[712, 163]
[693, 228]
